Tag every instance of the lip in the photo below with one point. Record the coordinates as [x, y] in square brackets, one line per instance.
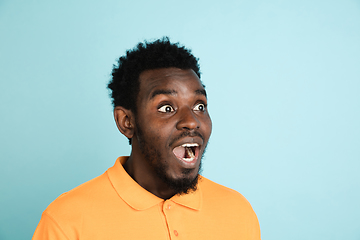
[190, 140]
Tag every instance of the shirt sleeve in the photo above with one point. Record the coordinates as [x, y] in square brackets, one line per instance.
[48, 229]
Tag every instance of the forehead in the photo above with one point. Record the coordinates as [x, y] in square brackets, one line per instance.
[169, 79]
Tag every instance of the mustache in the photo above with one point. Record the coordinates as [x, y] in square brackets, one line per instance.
[187, 134]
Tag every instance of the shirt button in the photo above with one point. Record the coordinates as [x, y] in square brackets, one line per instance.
[168, 207]
[176, 233]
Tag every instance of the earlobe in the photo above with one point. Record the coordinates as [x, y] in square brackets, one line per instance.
[124, 121]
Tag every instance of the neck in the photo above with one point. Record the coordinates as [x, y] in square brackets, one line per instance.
[137, 167]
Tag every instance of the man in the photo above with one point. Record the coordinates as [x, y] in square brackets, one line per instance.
[160, 105]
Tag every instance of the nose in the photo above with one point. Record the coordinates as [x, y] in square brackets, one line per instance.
[187, 120]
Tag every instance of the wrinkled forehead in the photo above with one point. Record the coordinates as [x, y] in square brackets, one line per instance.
[169, 80]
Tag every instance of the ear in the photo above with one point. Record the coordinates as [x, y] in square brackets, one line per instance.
[125, 121]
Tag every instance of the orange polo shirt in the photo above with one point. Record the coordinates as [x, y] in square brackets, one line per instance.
[114, 206]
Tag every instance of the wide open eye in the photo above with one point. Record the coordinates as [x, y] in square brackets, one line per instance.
[166, 109]
[200, 107]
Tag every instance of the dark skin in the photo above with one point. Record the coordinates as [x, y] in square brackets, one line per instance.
[171, 113]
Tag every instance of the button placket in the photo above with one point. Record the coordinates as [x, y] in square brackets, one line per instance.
[168, 208]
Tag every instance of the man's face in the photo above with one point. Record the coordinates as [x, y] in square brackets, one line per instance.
[173, 125]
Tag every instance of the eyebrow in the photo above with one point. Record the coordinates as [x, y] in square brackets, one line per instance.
[173, 92]
[201, 92]
[162, 91]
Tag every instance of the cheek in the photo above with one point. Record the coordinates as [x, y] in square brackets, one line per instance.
[163, 129]
[208, 126]
[156, 134]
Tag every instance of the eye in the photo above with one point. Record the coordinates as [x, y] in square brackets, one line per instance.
[200, 107]
[166, 109]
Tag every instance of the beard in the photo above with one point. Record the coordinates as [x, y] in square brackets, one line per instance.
[182, 185]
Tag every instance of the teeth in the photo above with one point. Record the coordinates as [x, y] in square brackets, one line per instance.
[190, 153]
[190, 145]
[188, 159]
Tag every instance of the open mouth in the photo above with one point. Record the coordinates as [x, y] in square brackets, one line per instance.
[187, 152]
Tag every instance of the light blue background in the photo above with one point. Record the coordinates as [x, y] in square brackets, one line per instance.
[283, 79]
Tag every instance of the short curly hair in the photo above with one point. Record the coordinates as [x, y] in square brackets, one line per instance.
[124, 85]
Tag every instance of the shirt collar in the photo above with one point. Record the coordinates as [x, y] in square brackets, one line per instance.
[139, 198]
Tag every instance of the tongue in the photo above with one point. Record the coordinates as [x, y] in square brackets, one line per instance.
[179, 152]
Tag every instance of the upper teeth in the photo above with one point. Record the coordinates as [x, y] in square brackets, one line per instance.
[190, 145]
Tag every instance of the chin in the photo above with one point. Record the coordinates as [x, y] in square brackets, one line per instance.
[186, 182]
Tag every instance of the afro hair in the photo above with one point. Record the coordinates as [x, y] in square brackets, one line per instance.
[124, 85]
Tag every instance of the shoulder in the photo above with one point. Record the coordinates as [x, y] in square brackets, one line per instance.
[231, 208]
[77, 199]
[214, 193]
[64, 217]
[213, 188]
